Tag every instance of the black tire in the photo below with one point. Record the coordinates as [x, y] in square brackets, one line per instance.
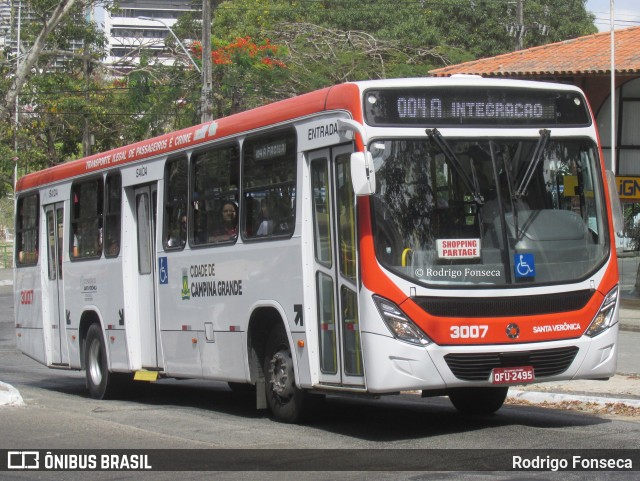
[101, 383]
[478, 401]
[285, 400]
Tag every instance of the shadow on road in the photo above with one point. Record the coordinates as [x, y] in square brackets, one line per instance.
[389, 418]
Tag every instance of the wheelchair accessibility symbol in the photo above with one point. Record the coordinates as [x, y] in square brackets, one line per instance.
[163, 270]
[524, 265]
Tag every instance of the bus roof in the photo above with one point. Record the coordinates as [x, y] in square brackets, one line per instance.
[345, 97]
[462, 80]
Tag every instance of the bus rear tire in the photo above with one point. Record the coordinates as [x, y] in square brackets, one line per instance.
[285, 400]
[101, 383]
[478, 401]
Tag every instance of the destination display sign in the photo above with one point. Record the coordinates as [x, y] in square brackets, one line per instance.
[474, 106]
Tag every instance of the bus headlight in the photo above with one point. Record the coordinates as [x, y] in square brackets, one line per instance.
[399, 324]
[604, 317]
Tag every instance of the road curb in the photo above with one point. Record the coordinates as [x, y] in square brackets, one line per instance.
[537, 397]
[9, 395]
[629, 327]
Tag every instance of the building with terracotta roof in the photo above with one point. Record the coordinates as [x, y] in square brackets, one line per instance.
[585, 62]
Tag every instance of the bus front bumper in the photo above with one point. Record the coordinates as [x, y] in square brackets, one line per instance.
[392, 365]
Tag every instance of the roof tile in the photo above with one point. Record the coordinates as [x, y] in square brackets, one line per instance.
[583, 55]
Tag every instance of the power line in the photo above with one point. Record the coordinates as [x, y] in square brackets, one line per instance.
[617, 22]
[102, 90]
[107, 114]
[389, 3]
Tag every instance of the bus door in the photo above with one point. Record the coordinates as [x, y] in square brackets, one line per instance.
[335, 267]
[145, 216]
[54, 215]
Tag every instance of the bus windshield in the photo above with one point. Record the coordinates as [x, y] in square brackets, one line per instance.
[491, 212]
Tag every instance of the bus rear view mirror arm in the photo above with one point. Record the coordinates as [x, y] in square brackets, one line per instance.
[363, 174]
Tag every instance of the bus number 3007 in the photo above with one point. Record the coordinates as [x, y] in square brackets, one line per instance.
[468, 332]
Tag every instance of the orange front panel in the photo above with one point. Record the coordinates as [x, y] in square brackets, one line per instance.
[476, 331]
[504, 330]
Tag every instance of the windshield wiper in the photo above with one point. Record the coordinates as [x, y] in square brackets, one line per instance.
[501, 207]
[543, 140]
[472, 185]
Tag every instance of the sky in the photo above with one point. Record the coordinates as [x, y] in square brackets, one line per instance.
[626, 14]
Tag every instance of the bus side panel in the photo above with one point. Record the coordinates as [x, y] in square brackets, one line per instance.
[182, 354]
[212, 292]
[118, 354]
[114, 319]
[218, 356]
[28, 313]
[95, 286]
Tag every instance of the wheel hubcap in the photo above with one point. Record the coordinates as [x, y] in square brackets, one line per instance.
[281, 375]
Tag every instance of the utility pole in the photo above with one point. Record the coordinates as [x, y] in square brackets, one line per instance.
[520, 25]
[17, 119]
[519, 29]
[206, 107]
[86, 132]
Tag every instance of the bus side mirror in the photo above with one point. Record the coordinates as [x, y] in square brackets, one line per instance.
[614, 201]
[363, 174]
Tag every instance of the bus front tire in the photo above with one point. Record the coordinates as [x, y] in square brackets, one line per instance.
[478, 401]
[101, 383]
[285, 400]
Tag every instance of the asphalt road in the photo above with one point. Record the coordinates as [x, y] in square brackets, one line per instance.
[202, 415]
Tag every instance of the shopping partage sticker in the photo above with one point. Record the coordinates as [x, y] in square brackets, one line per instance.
[458, 248]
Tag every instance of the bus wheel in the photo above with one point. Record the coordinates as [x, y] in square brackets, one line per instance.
[478, 401]
[284, 399]
[101, 383]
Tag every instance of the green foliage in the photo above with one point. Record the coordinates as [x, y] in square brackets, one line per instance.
[244, 72]
[263, 50]
[411, 37]
[632, 226]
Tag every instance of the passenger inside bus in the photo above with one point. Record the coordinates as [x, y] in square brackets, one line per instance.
[228, 226]
[265, 223]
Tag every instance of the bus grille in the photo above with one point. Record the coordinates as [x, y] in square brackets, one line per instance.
[477, 367]
[504, 306]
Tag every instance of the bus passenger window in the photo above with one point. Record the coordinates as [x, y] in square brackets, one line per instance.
[87, 200]
[113, 214]
[269, 186]
[27, 230]
[214, 199]
[175, 204]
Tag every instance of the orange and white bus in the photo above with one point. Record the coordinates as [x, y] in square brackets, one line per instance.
[452, 236]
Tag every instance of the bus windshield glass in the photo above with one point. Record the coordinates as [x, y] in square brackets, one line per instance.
[492, 212]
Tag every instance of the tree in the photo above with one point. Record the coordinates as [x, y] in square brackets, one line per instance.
[43, 78]
[416, 35]
[25, 67]
[321, 56]
[245, 73]
[320, 42]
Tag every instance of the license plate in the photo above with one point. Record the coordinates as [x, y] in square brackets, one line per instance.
[512, 375]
